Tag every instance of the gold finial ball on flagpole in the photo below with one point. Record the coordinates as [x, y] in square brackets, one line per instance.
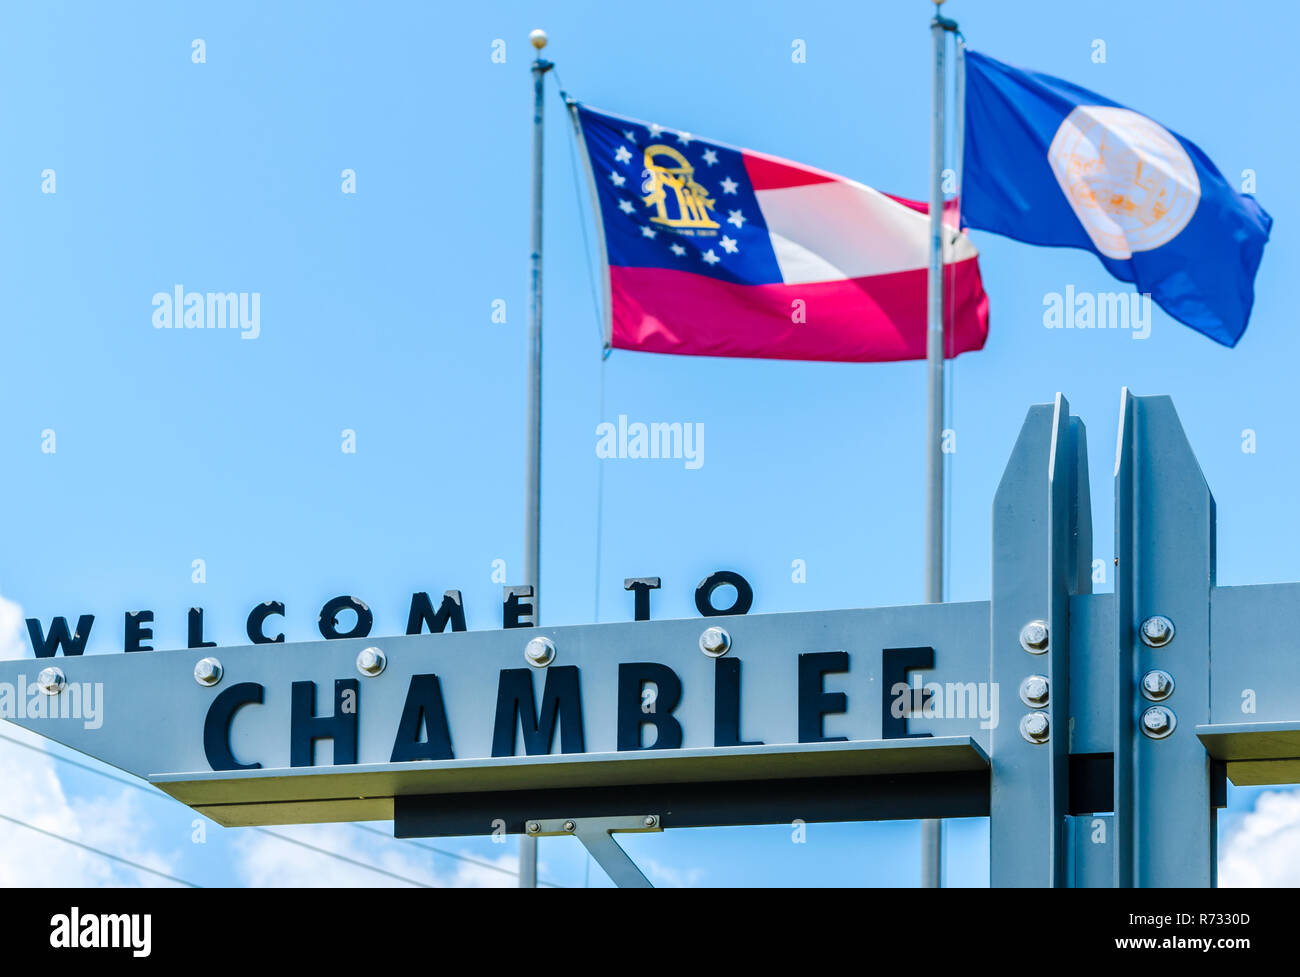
[538, 39]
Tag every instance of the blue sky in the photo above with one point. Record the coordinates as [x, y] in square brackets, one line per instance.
[376, 316]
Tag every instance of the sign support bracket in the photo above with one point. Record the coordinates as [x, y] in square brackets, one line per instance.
[597, 836]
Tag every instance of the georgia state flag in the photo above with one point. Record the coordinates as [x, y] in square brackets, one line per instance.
[717, 251]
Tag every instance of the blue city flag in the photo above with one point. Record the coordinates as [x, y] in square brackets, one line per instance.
[1050, 163]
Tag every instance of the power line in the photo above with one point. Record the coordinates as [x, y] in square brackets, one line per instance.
[451, 854]
[153, 792]
[156, 793]
[83, 766]
[99, 851]
[344, 858]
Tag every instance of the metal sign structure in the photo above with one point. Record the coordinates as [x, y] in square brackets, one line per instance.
[1095, 730]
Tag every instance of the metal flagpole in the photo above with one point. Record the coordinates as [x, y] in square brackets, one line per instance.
[932, 830]
[533, 475]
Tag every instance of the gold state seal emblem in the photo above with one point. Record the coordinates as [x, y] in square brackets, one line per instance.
[668, 171]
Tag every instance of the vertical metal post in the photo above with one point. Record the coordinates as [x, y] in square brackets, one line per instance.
[932, 830]
[1042, 553]
[533, 468]
[1165, 817]
[934, 350]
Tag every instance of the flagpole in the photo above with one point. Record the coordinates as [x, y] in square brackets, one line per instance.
[931, 829]
[533, 473]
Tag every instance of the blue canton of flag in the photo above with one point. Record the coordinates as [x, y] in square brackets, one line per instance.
[1050, 163]
[724, 235]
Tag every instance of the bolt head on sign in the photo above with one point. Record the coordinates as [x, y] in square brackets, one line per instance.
[371, 661]
[1157, 631]
[539, 652]
[207, 671]
[1033, 690]
[1035, 727]
[51, 680]
[1033, 637]
[1157, 684]
[714, 642]
[1158, 722]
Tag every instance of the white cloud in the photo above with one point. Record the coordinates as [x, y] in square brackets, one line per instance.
[265, 860]
[467, 875]
[668, 877]
[1263, 848]
[34, 794]
[13, 643]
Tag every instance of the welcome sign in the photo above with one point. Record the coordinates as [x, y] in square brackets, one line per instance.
[335, 730]
[1077, 722]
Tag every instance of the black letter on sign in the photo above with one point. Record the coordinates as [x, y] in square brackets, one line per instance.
[258, 615]
[216, 727]
[704, 593]
[813, 702]
[449, 610]
[513, 613]
[516, 709]
[305, 728]
[896, 706]
[59, 638]
[329, 624]
[136, 632]
[423, 711]
[196, 630]
[641, 587]
[726, 704]
[632, 678]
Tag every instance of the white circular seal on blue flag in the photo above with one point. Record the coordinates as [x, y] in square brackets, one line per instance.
[1127, 178]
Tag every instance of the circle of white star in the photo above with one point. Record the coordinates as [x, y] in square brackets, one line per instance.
[729, 185]
[735, 217]
[710, 156]
[728, 245]
[648, 232]
[655, 130]
[684, 138]
[622, 155]
[626, 206]
[710, 257]
[618, 178]
[677, 249]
